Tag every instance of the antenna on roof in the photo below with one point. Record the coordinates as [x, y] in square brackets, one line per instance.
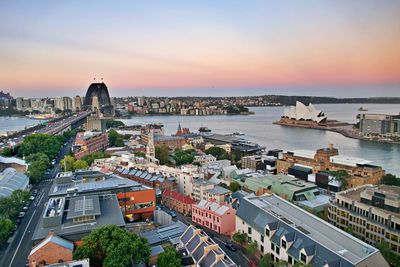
[101, 79]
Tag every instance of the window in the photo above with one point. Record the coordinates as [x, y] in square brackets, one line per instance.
[303, 257]
[249, 230]
[262, 248]
[277, 250]
[266, 232]
[290, 260]
[262, 239]
[283, 243]
[272, 247]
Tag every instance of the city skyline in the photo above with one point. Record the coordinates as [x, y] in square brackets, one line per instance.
[342, 49]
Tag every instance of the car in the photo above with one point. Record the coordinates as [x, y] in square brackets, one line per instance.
[25, 209]
[53, 162]
[18, 222]
[230, 246]
[172, 213]
[21, 215]
[31, 198]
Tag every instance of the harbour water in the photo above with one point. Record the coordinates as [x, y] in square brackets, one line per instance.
[10, 124]
[259, 128]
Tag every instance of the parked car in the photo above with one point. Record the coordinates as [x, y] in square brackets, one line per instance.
[25, 209]
[31, 198]
[230, 246]
[21, 215]
[172, 213]
[17, 222]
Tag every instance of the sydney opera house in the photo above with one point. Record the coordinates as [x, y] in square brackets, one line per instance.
[301, 112]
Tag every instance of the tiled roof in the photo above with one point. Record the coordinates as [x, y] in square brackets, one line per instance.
[178, 196]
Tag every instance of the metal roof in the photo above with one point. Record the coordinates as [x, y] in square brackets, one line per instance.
[11, 180]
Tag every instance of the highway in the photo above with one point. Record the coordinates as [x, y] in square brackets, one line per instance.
[51, 129]
[17, 252]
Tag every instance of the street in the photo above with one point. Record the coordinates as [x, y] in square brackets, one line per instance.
[17, 252]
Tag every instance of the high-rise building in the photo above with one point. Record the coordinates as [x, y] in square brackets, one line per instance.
[77, 104]
[381, 124]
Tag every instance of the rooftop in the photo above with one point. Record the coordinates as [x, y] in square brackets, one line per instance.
[304, 153]
[349, 161]
[178, 196]
[218, 190]
[164, 234]
[10, 160]
[219, 209]
[11, 180]
[108, 212]
[271, 209]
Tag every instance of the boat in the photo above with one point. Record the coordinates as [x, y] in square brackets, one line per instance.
[204, 130]
[362, 109]
[238, 133]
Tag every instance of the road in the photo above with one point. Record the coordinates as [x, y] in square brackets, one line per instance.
[51, 129]
[17, 252]
[236, 256]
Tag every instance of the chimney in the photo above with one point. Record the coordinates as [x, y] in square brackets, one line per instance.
[330, 146]
[51, 232]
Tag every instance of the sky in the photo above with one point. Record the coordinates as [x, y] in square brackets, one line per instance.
[340, 48]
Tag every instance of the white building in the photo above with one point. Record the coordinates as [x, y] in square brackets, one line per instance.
[303, 112]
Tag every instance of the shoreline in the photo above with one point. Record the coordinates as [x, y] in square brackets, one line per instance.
[344, 130]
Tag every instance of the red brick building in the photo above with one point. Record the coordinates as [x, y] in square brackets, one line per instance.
[177, 201]
[89, 142]
[51, 250]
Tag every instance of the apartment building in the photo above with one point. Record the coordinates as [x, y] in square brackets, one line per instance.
[380, 124]
[307, 162]
[177, 201]
[215, 216]
[371, 212]
[291, 234]
[89, 142]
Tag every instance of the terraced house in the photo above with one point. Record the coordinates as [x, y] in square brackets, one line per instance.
[291, 234]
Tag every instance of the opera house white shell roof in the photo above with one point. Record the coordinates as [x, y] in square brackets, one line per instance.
[303, 112]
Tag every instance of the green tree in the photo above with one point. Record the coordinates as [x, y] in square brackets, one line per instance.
[39, 157]
[113, 246]
[162, 154]
[6, 228]
[169, 258]
[266, 261]
[390, 256]
[95, 155]
[12, 205]
[184, 157]
[239, 237]
[114, 124]
[340, 176]
[234, 186]
[9, 152]
[67, 163]
[80, 164]
[390, 179]
[217, 152]
[140, 154]
[36, 170]
[41, 143]
[115, 139]
[251, 248]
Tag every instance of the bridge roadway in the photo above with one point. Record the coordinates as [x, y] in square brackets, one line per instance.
[51, 129]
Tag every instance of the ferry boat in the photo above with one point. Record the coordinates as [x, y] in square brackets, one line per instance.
[362, 109]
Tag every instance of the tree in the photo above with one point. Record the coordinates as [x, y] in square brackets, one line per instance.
[113, 246]
[67, 163]
[12, 205]
[140, 154]
[169, 258]
[36, 171]
[217, 152]
[234, 186]
[251, 248]
[6, 228]
[239, 237]
[114, 124]
[162, 154]
[184, 157]
[95, 155]
[340, 176]
[266, 261]
[392, 258]
[115, 139]
[41, 143]
[80, 164]
[390, 179]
